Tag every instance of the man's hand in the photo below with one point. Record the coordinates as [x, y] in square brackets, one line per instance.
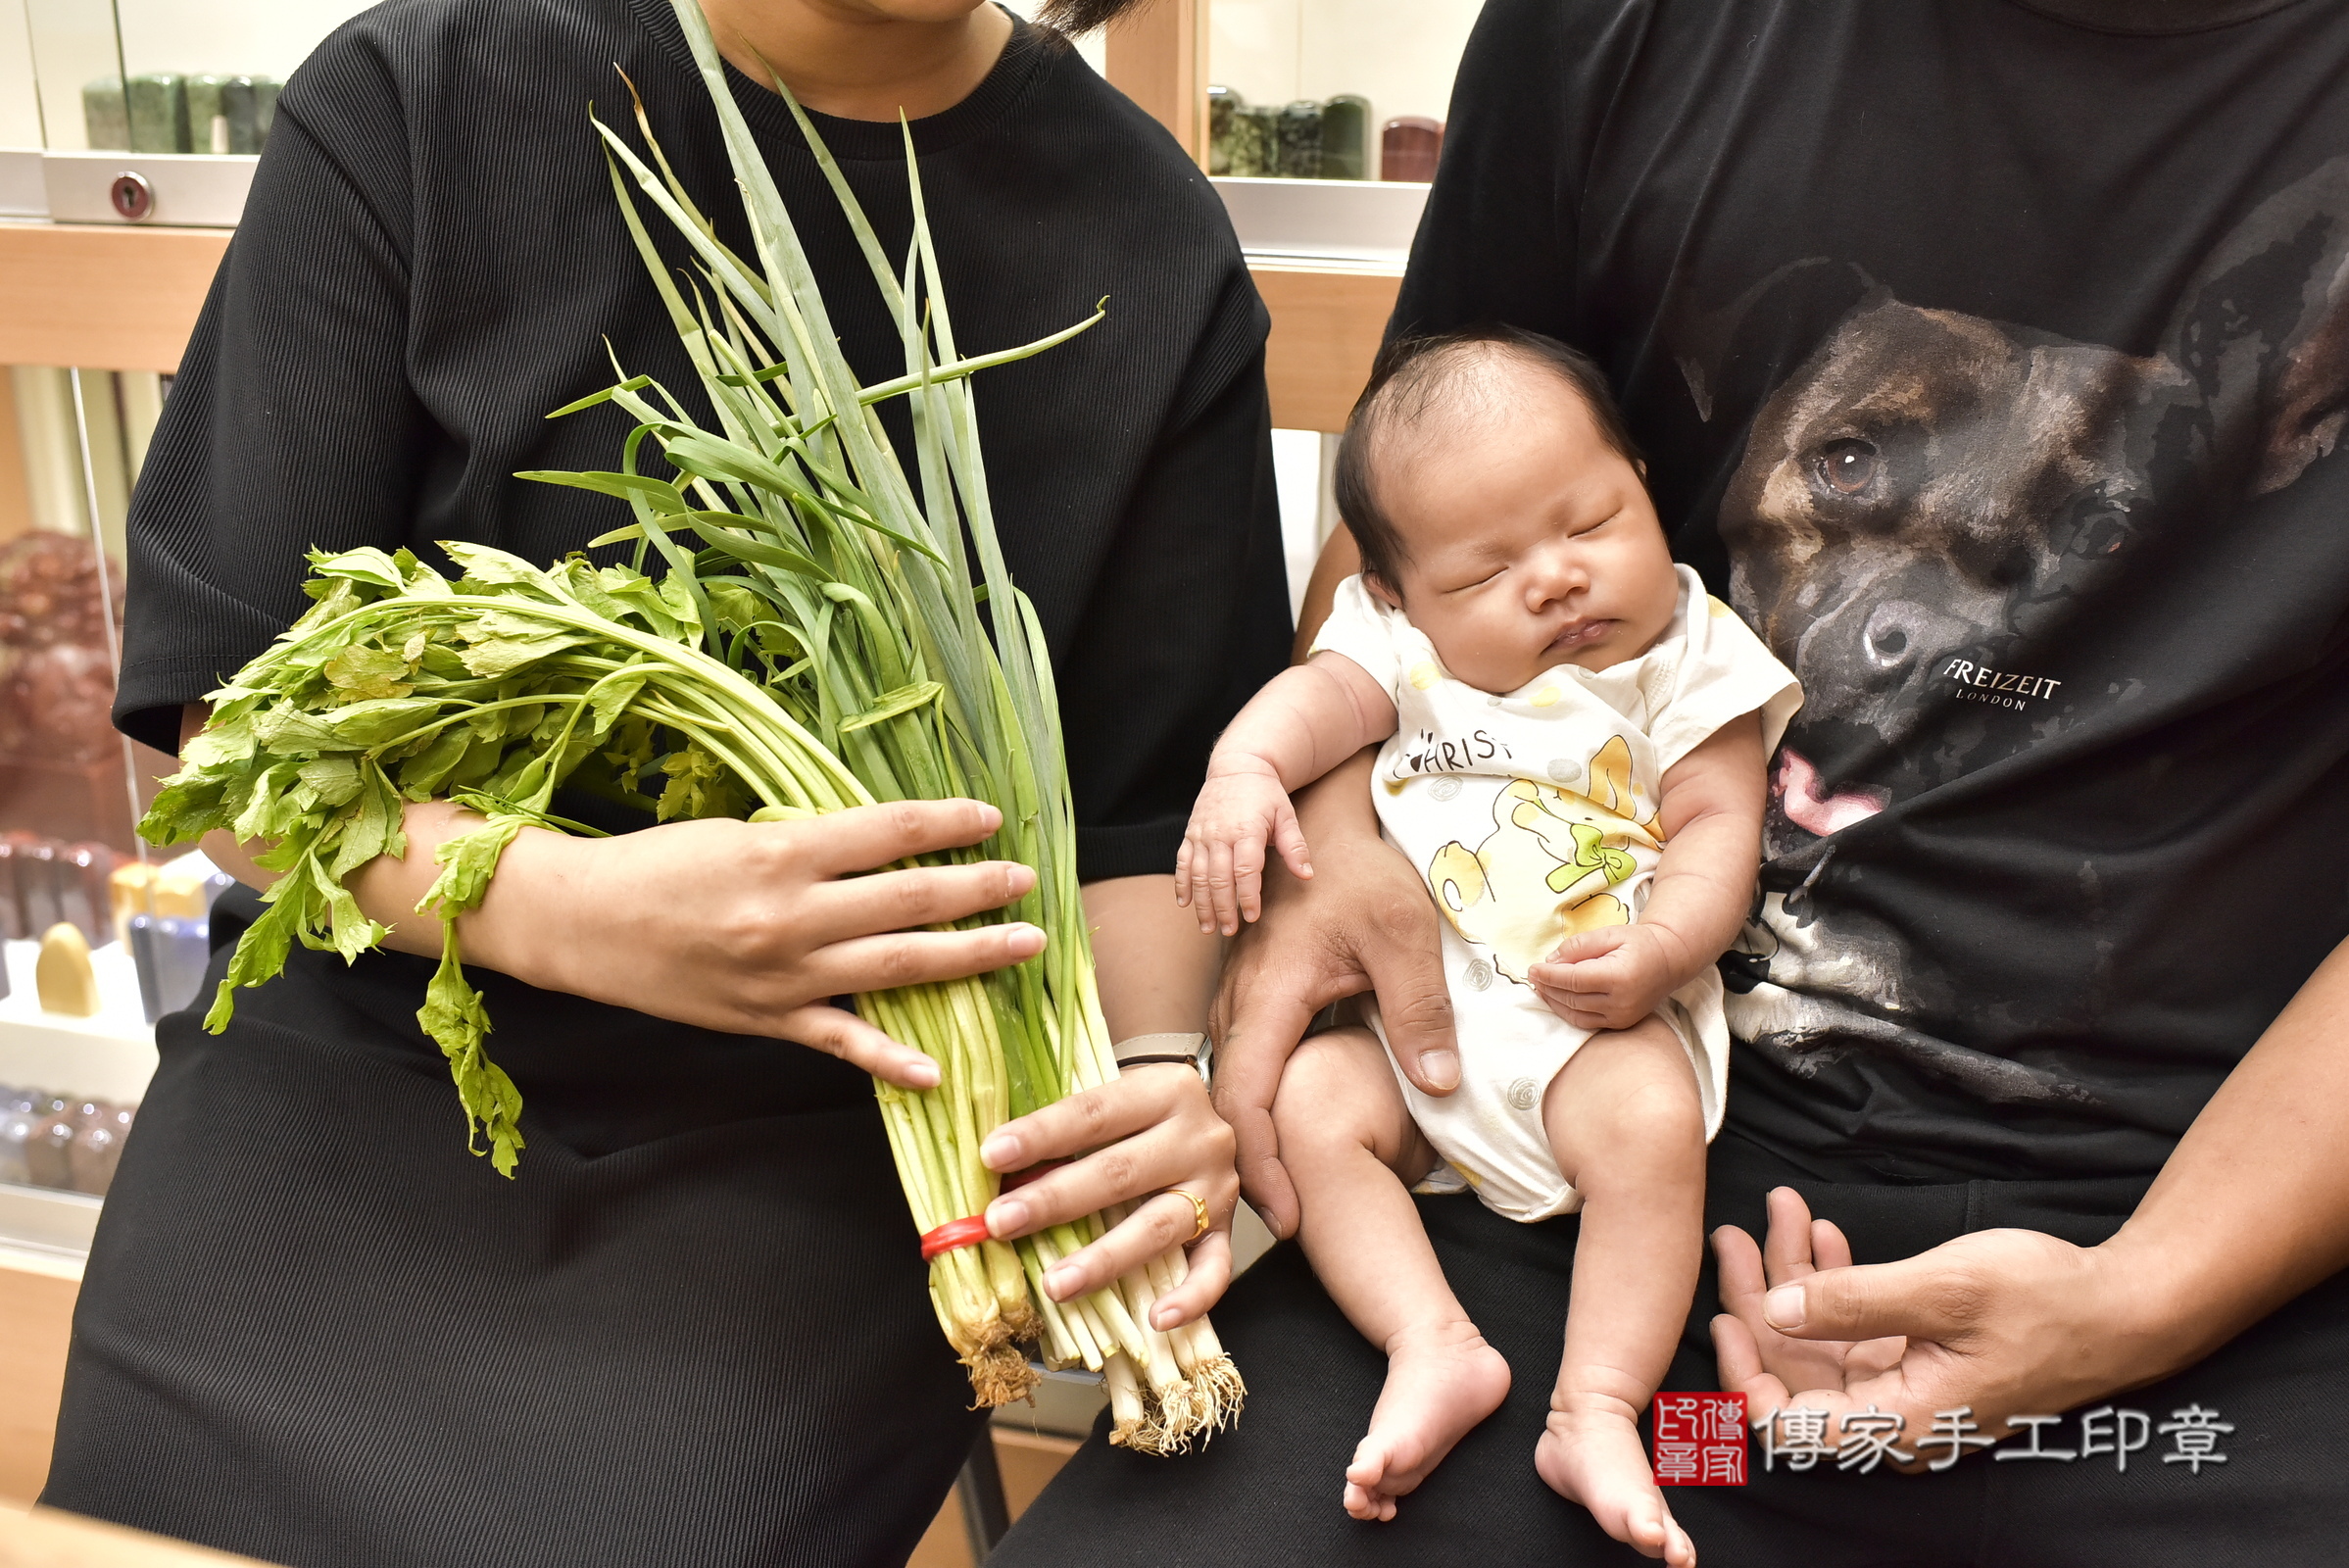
[1221, 867]
[2003, 1322]
[1610, 978]
[1364, 922]
[2249, 1210]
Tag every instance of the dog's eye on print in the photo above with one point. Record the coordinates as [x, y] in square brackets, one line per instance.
[1848, 466]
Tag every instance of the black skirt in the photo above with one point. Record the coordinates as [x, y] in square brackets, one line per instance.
[693, 1330]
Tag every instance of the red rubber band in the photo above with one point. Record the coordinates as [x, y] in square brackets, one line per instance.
[953, 1234]
[1014, 1180]
[959, 1232]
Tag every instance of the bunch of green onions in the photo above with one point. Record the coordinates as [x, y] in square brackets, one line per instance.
[800, 632]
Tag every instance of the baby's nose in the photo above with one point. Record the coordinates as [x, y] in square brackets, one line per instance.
[1555, 575]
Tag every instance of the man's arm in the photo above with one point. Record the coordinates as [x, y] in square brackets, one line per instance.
[2253, 1206]
[2250, 1209]
[1364, 922]
[1339, 560]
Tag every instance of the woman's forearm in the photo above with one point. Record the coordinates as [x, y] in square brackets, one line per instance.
[2252, 1207]
[1156, 971]
[748, 928]
[500, 934]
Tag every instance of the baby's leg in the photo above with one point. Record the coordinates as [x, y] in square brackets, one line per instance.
[1628, 1127]
[1348, 1144]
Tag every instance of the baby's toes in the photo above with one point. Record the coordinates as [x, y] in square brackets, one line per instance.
[1647, 1525]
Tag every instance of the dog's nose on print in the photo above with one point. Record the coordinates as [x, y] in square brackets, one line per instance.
[1897, 632]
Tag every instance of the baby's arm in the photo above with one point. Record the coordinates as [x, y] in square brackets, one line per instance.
[1306, 721]
[1712, 821]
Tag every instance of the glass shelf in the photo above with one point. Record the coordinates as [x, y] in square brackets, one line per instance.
[203, 80]
[1287, 57]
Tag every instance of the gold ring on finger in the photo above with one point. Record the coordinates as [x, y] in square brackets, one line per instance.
[1198, 1206]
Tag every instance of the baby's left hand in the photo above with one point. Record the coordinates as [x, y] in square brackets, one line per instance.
[1610, 978]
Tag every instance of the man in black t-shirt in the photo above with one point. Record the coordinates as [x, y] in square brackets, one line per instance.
[1991, 357]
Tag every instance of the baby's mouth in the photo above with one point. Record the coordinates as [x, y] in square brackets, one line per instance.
[1578, 634]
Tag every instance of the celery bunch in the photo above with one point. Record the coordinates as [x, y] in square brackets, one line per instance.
[800, 632]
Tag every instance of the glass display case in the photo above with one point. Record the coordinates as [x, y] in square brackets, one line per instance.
[94, 939]
[20, 89]
[1331, 89]
[70, 442]
[1323, 119]
[165, 76]
[148, 110]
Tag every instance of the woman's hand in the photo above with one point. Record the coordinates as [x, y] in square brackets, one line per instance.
[1149, 1131]
[2001, 1323]
[1364, 922]
[745, 928]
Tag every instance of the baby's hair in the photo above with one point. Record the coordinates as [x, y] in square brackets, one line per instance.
[1414, 376]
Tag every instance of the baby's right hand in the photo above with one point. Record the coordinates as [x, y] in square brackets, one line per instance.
[1221, 867]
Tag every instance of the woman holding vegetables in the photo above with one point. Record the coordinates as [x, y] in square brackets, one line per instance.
[694, 1327]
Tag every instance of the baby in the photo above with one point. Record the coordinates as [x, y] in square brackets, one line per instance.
[1575, 742]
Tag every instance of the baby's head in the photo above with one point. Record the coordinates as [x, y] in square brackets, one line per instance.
[1498, 501]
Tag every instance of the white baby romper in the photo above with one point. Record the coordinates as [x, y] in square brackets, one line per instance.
[1532, 815]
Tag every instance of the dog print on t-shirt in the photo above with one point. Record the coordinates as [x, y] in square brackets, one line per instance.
[1958, 533]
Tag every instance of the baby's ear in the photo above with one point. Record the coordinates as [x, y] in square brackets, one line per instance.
[1379, 590]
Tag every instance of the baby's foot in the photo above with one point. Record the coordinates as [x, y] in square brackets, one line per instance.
[1441, 1382]
[1590, 1455]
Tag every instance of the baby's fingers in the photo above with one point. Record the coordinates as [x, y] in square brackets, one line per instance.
[1595, 977]
[1222, 899]
[1584, 946]
[1183, 877]
[1248, 876]
[1577, 1012]
[1290, 840]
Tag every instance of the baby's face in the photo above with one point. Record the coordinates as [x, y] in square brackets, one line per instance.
[1530, 542]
